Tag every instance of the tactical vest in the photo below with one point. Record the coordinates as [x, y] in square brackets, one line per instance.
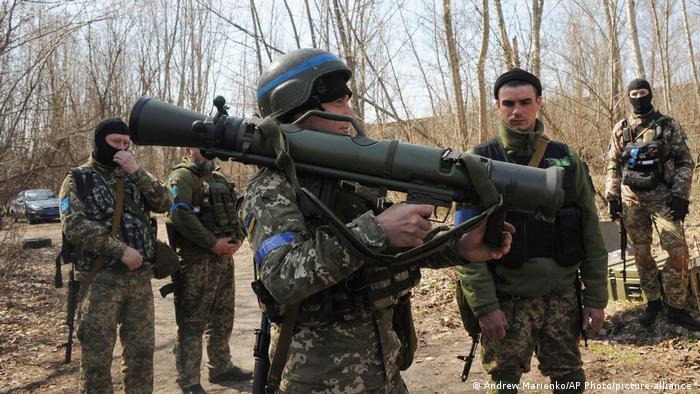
[99, 200]
[369, 288]
[561, 240]
[216, 200]
[643, 161]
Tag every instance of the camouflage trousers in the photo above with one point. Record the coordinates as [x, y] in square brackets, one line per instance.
[117, 301]
[639, 220]
[549, 326]
[204, 305]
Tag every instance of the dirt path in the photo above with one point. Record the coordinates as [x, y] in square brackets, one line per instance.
[31, 329]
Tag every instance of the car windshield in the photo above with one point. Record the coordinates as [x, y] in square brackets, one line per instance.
[38, 195]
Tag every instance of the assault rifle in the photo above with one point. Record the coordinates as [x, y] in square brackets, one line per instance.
[66, 254]
[262, 358]
[73, 289]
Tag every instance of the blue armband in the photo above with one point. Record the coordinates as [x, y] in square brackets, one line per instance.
[178, 205]
[271, 244]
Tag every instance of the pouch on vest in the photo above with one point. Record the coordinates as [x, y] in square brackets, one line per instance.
[519, 246]
[406, 331]
[641, 169]
[569, 236]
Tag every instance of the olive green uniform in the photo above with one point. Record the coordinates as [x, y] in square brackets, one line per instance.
[538, 298]
[117, 299]
[204, 211]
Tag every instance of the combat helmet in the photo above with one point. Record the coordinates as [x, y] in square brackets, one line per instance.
[287, 83]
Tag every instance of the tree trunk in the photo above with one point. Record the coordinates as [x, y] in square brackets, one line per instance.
[615, 71]
[456, 77]
[664, 71]
[505, 44]
[311, 23]
[632, 23]
[691, 56]
[537, 6]
[480, 65]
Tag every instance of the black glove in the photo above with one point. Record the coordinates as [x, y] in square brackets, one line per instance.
[679, 207]
[615, 205]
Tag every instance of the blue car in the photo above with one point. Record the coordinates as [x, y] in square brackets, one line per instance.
[35, 205]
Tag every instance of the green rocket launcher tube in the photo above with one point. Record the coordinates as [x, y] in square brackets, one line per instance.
[428, 175]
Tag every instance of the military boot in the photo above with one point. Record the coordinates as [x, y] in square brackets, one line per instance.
[652, 310]
[196, 389]
[682, 318]
[234, 374]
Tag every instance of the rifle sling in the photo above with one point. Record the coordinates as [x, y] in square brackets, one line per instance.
[279, 359]
[86, 281]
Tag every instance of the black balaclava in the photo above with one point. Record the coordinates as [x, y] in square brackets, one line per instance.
[103, 152]
[325, 89]
[517, 74]
[640, 105]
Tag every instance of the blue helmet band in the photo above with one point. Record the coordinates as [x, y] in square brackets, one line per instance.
[313, 62]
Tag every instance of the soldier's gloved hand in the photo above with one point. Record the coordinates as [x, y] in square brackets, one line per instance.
[471, 246]
[131, 258]
[679, 207]
[406, 224]
[126, 161]
[221, 246]
[615, 205]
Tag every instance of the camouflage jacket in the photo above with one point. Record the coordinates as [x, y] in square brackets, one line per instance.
[338, 356]
[677, 166]
[87, 220]
[204, 209]
[540, 276]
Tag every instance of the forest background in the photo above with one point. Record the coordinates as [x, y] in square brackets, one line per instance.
[423, 70]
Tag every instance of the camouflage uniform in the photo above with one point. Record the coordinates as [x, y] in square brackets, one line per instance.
[538, 298]
[350, 352]
[117, 298]
[643, 209]
[204, 210]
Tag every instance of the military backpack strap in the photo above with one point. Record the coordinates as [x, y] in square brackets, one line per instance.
[116, 220]
[542, 141]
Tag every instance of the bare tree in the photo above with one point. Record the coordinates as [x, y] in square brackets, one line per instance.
[634, 37]
[611, 16]
[508, 57]
[691, 55]
[663, 51]
[537, 6]
[294, 25]
[484, 124]
[456, 77]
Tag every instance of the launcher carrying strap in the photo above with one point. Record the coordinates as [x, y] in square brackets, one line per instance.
[481, 184]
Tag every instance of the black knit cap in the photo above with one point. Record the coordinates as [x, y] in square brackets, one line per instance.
[517, 74]
[639, 83]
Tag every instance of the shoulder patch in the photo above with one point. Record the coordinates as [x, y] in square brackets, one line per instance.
[172, 183]
[249, 223]
[65, 205]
